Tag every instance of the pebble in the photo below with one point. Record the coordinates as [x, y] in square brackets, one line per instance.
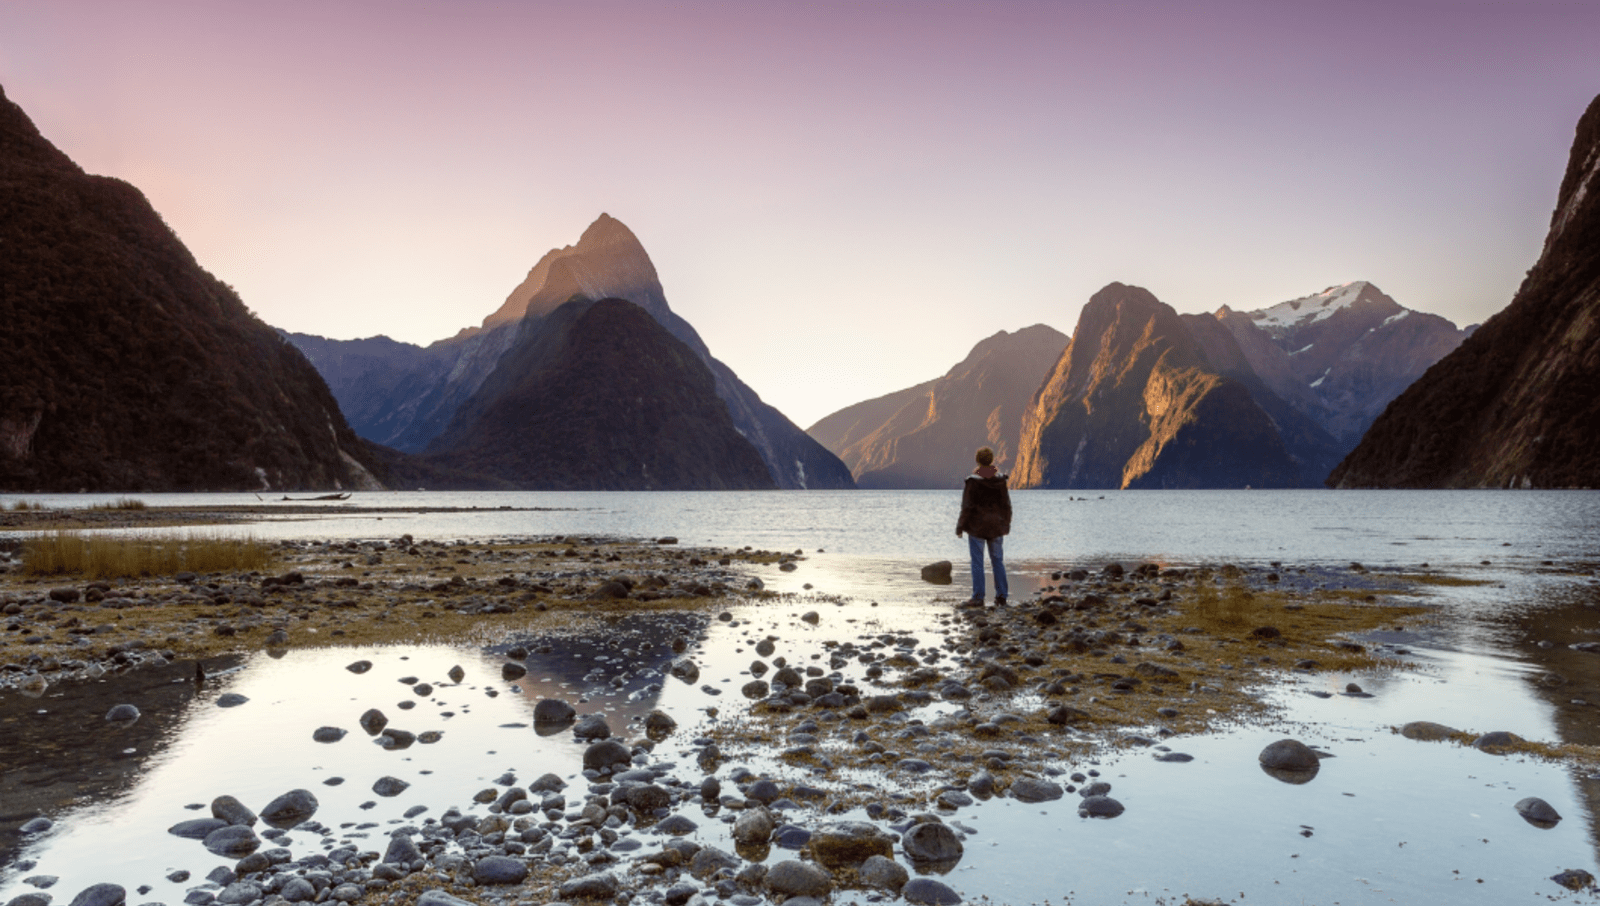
[231, 700]
[327, 734]
[123, 714]
[928, 892]
[390, 786]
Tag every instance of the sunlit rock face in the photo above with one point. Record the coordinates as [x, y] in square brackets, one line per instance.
[405, 396]
[1516, 404]
[127, 366]
[1135, 402]
[924, 436]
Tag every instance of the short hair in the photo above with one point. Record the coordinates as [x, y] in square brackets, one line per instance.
[985, 456]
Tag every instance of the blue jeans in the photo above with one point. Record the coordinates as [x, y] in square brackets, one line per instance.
[997, 557]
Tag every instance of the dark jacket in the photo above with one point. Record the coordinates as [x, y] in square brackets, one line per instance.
[985, 507]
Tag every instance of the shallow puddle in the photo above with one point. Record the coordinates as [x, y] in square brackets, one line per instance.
[1385, 819]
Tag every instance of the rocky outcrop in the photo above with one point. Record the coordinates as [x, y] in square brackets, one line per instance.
[425, 387]
[1134, 402]
[924, 436]
[1515, 405]
[599, 396]
[1341, 355]
[130, 368]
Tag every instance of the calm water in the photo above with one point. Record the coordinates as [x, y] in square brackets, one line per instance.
[1389, 819]
[1314, 527]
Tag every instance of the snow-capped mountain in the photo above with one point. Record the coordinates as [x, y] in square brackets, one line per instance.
[1342, 354]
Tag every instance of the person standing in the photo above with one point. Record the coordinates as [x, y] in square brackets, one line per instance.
[986, 520]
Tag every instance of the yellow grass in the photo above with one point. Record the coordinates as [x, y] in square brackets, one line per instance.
[122, 503]
[108, 557]
[24, 506]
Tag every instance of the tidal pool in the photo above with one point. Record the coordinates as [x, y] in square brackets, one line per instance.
[1385, 819]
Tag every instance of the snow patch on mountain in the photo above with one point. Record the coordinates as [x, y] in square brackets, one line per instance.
[1309, 309]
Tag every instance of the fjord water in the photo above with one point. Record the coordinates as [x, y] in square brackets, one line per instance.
[1443, 528]
[1386, 820]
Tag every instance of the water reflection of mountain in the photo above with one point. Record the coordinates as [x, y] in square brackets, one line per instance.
[60, 752]
[621, 668]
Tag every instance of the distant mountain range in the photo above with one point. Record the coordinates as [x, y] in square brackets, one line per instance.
[127, 367]
[1518, 404]
[924, 436]
[1145, 397]
[431, 401]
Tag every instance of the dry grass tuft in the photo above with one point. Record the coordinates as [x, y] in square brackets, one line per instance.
[122, 503]
[108, 557]
[26, 506]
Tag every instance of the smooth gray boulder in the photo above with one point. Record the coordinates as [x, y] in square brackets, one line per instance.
[440, 898]
[607, 753]
[499, 870]
[928, 892]
[122, 714]
[938, 573]
[402, 851]
[931, 842]
[753, 825]
[799, 879]
[390, 786]
[1427, 731]
[1099, 807]
[1498, 742]
[842, 844]
[290, 809]
[327, 734]
[196, 828]
[232, 841]
[1033, 789]
[231, 810]
[602, 886]
[886, 874]
[1289, 755]
[1538, 812]
[553, 711]
[592, 726]
[101, 895]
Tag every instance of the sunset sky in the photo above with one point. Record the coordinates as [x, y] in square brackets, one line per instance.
[841, 197]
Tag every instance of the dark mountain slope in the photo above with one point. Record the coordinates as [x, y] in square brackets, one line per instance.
[927, 440]
[127, 366]
[598, 396]
[1516, 405]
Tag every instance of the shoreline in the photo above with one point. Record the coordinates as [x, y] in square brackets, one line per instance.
[1112, 657]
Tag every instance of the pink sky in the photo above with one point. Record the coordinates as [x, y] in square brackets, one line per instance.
[842, 198]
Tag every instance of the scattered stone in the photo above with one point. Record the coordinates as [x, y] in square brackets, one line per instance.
[511, 671]
[1427, 731]
[373, 721]
[798, 879]
[359, 667]
[685, 669]
[753, 826]
[456, 675]
[928, 892]
[659, 723]
[1289, 755]
[290, 809]
[885, 874]
[602, 886]
[327, 734]
[41, 824]
[101, 895]
[440, 898]
[938, 573]
[390, 786]
[1498, 742]
[845, 844]
[193, 829]
[1538, 812]
[592, 726]
[123, 714]
[1099, 807]
[499, 870]
[1574, 879]
[932, 842]
[231, 810]
[230, 700]
[232, 841]
[553, 711]
[1032, 789]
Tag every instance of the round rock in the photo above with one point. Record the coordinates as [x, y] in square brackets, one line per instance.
[799, 879]
[928, 892]
[123, 714]
[1099, 807]
[290, 809]
[390, 786]
[1033, 789]
[1427, 731]
[553, 711]
[1538, 812]
[499, 870]
[101, 895]
[606, 753]
[592, 726]
[932, 842]
[327, 734]
[849, 843]
[602, 886]
[885, 874]
[230, 700]
[231, 810]
[232, 841]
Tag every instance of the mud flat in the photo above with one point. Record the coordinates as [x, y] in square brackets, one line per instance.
[568, 719]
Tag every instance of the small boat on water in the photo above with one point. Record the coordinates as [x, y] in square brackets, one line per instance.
[344, 496]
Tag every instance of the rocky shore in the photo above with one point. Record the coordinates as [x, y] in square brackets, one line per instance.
[983, 703]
